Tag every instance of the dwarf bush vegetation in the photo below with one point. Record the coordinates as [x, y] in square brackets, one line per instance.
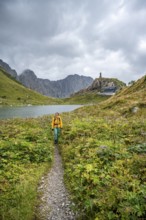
[25, 152]
[104, 158]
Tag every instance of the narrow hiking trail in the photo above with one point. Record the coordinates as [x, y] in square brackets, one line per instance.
[55, 203]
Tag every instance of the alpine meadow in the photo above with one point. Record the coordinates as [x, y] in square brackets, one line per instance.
[104, 155]
[103, 148]
[72, 110]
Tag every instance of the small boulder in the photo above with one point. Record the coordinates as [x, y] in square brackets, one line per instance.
[135, 109]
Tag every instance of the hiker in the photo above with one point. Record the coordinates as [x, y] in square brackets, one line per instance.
[56, 126]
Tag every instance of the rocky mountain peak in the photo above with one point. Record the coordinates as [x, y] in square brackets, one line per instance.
[28, 79]
[8, 69]
[29, 74]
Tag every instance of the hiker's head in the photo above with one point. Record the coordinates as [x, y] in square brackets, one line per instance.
[56, 114]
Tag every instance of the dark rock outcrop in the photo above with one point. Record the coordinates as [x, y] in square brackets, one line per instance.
[104, 85]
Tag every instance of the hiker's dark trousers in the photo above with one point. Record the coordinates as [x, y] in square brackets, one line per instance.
[56, 134]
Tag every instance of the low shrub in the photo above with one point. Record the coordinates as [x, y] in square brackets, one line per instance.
[26, 152]
[104, 159]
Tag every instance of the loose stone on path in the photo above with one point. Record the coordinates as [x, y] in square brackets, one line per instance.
[55, 200]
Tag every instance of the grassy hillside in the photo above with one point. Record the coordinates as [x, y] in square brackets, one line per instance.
[85, 98]
[129, 98]
[139, 85]
[104, 155]
[13, 93]
[103, 148]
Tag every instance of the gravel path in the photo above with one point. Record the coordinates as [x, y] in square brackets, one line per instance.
[55, 203]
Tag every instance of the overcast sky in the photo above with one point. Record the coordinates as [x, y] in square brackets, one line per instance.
[56, 38]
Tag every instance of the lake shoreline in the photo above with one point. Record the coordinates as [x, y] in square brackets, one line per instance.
[34, 111]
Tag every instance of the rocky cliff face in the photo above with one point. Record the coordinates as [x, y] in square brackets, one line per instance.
[8, 69]
[104, 84]
[60, 88]
[29, 79]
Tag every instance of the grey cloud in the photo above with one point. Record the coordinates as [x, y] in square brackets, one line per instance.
[57, 38]
[136, 5]
[124, 35]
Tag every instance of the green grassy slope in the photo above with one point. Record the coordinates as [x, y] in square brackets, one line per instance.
[139, 85]
[85, 98]
[103, 149]
[104, 154]
[13, 93]
[128, 98]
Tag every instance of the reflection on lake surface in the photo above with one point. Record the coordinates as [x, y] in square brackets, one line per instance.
[34, 111]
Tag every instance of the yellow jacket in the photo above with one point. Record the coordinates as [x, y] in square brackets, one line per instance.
[56, 122]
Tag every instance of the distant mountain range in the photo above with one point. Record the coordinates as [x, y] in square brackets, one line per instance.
[72, 84]
[60, 88]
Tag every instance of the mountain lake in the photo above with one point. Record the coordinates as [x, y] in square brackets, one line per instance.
[7, 112]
